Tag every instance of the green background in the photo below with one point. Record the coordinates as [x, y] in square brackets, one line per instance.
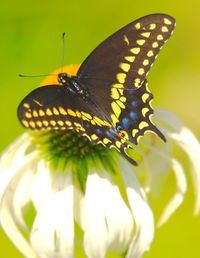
[30, 43]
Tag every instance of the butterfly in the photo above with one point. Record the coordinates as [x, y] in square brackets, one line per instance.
[108, 101]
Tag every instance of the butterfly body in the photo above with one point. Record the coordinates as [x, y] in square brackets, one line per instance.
[108, 100]
[72, 84]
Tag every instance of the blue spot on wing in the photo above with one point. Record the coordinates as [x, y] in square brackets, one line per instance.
[134, 103]
[126, 123]
[133, 115]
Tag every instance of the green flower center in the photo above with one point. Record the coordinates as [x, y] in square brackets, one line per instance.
[67, 150]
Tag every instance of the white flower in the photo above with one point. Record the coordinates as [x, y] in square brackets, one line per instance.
[43, 206]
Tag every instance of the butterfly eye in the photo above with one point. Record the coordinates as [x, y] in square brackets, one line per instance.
[62, 77]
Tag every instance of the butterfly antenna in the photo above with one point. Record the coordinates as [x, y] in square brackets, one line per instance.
[63, 51]
[31, 76]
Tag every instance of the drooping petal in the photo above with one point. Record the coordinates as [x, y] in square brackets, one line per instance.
[177, 199]
[163, 157]
[141, 211]
[53, 230]
[10, 213]
[107, 222]
[182, 136]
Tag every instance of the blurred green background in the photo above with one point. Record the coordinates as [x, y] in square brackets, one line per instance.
[31, 44]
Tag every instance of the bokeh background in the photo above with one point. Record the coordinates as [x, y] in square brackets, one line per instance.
[30, 43]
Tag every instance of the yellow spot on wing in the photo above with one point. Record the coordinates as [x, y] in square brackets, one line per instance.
[39, 123]
[125, 67]
[123, 99]
[68, 123]
[55, 111]
[145, 96]
[25, 123]
[60, 122]
[86, 115]
[115, 120]
[140, 42]
[143, 124]
[116, 109]
[106, 141]
[145, 34]
[48, 112]
[134, 132]
[155, 44]
[62, 111]
[118, 86]
[45, 123]
[118, 144]
[35, 114]
[71, 112]
[150, 53]
[130, 58]
[141, 71]
[144, 111]
[121, 77]
[52, 122]
[120, 104]
[98, 121]
[138, 25]
[41, 112]
[145, 62]
[152, 26]
[164, 29]
[92, 122]
[167, 21]
[32, 124]
[114, 93]
[135, 50]
[121, 91]
[94, 137]
[26, 105]
[160, 37]
[126, 40]
[28, 115]
[137, 82]
[78, 114]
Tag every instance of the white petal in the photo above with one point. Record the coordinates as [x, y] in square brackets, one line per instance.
[53, 230]
[106, 220]
[118, 217]
[9, 178]
[41, 186]
[188, 142]
[177, 199]
[94, 222]
[141, 211]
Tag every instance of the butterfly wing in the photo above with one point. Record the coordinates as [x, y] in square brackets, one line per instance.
[126, 56]
[55, 107]
[116, 70]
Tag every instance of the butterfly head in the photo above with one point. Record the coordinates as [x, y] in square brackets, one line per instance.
[63, 78]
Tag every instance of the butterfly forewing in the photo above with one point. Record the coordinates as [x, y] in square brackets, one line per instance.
[54, 107]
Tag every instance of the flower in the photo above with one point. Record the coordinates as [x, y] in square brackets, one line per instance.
[51, 200]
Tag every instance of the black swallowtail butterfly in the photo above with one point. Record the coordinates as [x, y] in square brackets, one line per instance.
[108, 100]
